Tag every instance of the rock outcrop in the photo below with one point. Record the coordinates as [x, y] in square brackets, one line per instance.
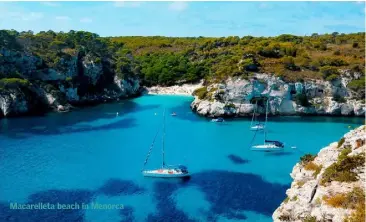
[32, 87]
[330, 186]
[235, 97]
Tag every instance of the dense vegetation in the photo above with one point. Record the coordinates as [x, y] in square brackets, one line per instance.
[33, 55]
[172, 60]
[167, 61]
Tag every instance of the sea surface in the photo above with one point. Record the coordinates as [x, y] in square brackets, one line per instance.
[94, 156]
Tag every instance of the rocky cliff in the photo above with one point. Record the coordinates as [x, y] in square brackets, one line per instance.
[330, 185]
[236, 97]
[40, 72]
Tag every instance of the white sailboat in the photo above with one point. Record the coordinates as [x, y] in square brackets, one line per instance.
[255, 124]
[268, 145]
[166, 171]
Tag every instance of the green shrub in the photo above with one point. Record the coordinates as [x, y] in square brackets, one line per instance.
[285, 217]
[342, 170]
[307, 158]
[332, 77]
[357, 84]
[201, 93]
[13, 82]
[328, 71]
[340, 142]
[309, 219]
[344, 153]
[350, 200]
[313, 167]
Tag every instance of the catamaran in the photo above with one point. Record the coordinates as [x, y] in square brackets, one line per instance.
[166, 171]
[268, 145]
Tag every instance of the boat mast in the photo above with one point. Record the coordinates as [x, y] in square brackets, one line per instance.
[254, 113]
[265, 124]
[163, 139]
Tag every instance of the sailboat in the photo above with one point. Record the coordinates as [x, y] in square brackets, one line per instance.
[166, 171]
[268, 145]
[256, 125]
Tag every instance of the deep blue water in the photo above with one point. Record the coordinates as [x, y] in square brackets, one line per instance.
[92, 155]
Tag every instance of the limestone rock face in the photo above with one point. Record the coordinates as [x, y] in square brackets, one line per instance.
[324, 97]
[305, 197]
[69, 79]
[128, 87]
[91, 69]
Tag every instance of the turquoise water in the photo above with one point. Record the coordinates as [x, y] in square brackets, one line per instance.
[93, 156]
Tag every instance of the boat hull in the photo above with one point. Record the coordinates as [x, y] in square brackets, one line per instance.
[257, 128]
[165, 173]
[266, 148]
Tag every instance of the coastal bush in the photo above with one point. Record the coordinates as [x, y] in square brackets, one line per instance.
[285, 217]
[13, 82]
[343, 169]
[344, 153]
[313, 167]
[357, 84]
[328, 71]
[309, 219]
[358, 215]
[350, 200]
[300, 183]
[332, 77]
[307, 158]
[201, 93]
[341, 141]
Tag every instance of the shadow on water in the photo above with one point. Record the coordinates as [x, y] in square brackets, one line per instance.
[227, 192]
[127, 214]
[55, 129]
[53, 197]
[113, 187]
[283, 153]
[56, 123]
[117, 187]
[166, 206]
[237, 159]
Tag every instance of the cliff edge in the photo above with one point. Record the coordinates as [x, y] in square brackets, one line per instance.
[330, 185]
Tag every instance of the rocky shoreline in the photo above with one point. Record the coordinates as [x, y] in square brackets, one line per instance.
[235, 97]
[327, 187]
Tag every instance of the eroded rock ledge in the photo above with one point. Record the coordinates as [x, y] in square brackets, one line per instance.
[330, 186]
[234, 97]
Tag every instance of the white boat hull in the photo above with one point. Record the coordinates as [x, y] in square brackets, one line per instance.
[255, 128]
[165, 173]
[267, 147]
